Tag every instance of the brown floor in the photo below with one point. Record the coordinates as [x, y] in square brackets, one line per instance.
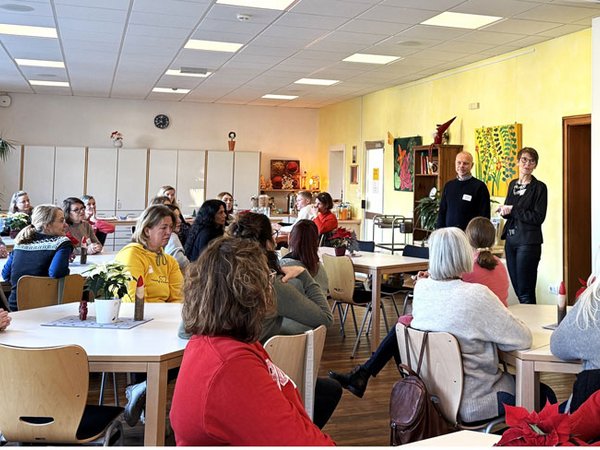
[356, 422]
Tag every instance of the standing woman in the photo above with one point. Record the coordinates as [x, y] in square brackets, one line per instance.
[325, 220]
[524, 210]
[74, 211]
[41, 249]
[208, 225]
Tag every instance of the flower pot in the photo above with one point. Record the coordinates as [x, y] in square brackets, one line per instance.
[340, 251]
[117, 143]
[231, 145]
[107, 310]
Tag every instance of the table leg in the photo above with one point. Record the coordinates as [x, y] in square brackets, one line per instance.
[376, 300]
[156, 404]
[527, 383]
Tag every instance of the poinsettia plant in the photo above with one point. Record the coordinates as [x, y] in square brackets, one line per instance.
[17, 221]
[109, 280]
[341, 237]
[533, 429]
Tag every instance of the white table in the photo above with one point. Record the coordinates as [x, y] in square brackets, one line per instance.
[529, 363]
[75, 266]
[152, 348]
[463, 438]
[376, 265]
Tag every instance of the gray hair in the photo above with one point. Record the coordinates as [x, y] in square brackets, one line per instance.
[450, 254]
[151, 217]
[589, 299]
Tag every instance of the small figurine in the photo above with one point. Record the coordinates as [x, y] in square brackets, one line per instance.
[438, 135]
[263, 183]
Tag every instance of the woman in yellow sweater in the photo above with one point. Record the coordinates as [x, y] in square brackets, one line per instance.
[144, 256]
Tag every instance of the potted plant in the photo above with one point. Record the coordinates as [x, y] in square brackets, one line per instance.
[107, 284]
[342, 240]
[5, 148]
[427, 209]
[16, 222]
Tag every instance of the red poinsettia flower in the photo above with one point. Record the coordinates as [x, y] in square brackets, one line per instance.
[543, 429]
[341, 237]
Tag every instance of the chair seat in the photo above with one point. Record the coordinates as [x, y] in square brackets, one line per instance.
[95, 420]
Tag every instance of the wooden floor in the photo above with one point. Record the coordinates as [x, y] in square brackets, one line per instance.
[356, 422]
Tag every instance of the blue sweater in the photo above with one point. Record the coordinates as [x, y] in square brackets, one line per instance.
[44, 256]
[462, 201]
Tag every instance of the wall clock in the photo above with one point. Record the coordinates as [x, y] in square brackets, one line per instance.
[161, 121]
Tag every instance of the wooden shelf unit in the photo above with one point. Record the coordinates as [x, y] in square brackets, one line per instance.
[443, 156]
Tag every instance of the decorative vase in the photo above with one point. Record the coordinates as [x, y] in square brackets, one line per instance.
[231, 145]
[118, 143]
[340, 251]
[107, 310]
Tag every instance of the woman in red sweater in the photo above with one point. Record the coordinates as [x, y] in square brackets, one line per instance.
[228, 392]
[325, 220]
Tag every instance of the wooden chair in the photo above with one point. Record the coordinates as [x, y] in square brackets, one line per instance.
[340, 272]
[441, 371]
[44, 393]
[299, 356]
[72, 288]
[36, 292]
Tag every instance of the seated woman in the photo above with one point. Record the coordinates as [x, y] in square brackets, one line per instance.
[101, 228]
[169, 192]
[577, 337]
[41, 249]
[4, 319]
[304, 251]
[166, 195]
[19, 202]
[487, 270]
[174, 247]
[325, 220]
[227, 198]
[145, 256]
[228, 391]
[208, 225]
[74, 210]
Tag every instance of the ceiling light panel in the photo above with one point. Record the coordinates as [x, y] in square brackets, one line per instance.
[317, 81]
[39, 63]
[366, 58]
[461, 20]
[279, 97]
[178, 73]
[279, 5]
[171, 90]
[213, 46]
[49, 83]
[25, 30]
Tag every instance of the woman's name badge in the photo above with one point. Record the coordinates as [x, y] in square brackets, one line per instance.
[467, 197]
[150, 269]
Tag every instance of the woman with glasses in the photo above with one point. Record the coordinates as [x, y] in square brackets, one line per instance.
[41, 249]
[208, 225]
[228, 391]
[174, 246]
[524, 210]
[79, 229]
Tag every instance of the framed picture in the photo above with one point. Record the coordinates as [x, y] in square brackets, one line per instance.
[354, 174]
[285, 173]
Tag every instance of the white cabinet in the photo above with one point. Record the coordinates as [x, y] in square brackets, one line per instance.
[191, 165]
[162, 170]
[131, 181]
[246, 170]
[10, 177]
[235, 172]
[68, 173]
[219, 173]
[102, 179]
[38, 174]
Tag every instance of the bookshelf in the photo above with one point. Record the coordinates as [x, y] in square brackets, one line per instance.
[433, 167]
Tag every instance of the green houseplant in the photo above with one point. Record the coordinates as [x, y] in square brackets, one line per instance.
[16, 222]
[106, 281]
[6, 146]
[428, 209]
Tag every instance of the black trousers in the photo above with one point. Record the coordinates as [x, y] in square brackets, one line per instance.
[522, 263]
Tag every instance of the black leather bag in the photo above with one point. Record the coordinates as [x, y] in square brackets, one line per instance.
[413, 412]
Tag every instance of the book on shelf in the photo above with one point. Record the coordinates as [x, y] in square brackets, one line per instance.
[429, 165]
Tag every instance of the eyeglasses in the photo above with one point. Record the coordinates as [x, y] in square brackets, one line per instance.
[78, 210]
[275, 234]
[525, 160]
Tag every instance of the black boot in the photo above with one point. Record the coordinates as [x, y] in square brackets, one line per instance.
[355, 381]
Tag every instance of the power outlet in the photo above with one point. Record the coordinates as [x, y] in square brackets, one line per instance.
[553, 289]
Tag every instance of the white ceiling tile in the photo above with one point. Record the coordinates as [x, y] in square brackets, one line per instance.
[374, 27]
[503, 8]
[521, 26]
[433, 5]
[335, 8]
[87, 13]
[562, 30]
[428, 32]
[489, 37]
[559, 13]
[398, 15]
[311, 21]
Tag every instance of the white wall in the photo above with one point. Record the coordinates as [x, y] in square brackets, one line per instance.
[277, 132]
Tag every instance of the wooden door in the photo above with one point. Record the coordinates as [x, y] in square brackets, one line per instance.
[577, 216]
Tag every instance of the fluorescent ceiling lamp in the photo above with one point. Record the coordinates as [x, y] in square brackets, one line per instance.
[213, 46]
[266, 4]
[171, 90]
[178, 73]
[461, 20]
[279, 97]
[317, 81]
[371, 59]
[40, 63]
[25, 30]
[49, 83]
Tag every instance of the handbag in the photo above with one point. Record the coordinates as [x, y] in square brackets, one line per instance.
[414, 414]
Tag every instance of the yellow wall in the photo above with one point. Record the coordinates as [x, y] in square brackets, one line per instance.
[536, 87]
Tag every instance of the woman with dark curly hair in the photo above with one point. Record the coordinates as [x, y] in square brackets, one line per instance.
[209, 224]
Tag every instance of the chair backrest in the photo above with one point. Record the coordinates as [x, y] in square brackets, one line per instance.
[44, 392]
[340, 273]
[441, 370]
[366, 246]
[416, 251]
[36, 292]
[72, 288]
[299, 356]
